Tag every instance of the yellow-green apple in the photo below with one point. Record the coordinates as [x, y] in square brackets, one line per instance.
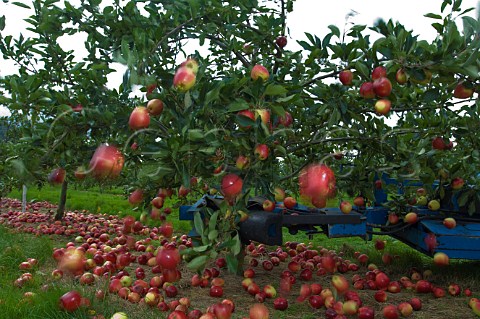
[449, 222]
[463, 92]
[247, 48]
[382, 87]
[440, 259]
[346, 77]
[261, 151]
[340, 283]
[119, 315]
[270, 291]
[139, 118]
[191, 64]
[366, 90]
[279, 194]
[184, 79]
[457, 183]
[476, 308]
[434, 205]
[106, 162]
[242, 162]
[383, 106]
[405, 309]
[281, 41]
[411, 218]
[345, 207]
[401, 76]
[259, 72]
[379, 72]
[422, 201]
[57, 176]
[350, 307]
[155, 107]
[264, 115]
[231, 185]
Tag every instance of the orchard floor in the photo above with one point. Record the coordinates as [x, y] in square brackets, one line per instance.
[16, 246]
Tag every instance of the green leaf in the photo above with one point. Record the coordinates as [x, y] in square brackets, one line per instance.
[277, 109]
[23, 5]
[237, 105]
[2, 23]
[198, 223]
[213, 234]
[237, 247]
[275, 89]
[462, 199]
[195, 134]
[197, 263]
[201, 249]
[188, 100]
[433, 16]
[362, 68]
[335, 30]
[212, 224]
[232, 263]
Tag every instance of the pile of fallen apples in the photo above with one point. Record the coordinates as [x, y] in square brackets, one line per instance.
[143, 265]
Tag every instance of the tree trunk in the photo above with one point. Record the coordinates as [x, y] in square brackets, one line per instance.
[241, 260]
[63, 200]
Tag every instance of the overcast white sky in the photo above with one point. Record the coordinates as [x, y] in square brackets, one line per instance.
[312, 16]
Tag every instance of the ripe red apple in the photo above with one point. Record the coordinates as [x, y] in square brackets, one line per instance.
[411, 218]
[366, 313]
[366, 90]
[416, 304]
[457, 183]
[280, 304]
[106, 162]
[216, 291]
[359, 201]
[423, 286]
[232, 185]
[289, 202]
[382, 87]
[438, 292]
[345, 207]
[168, 258]
[393, 218]
[401, 76]
[261, 151]
[136, 197]
[317, 181]
[184, 79]
[440, 259]
[259, 311]
[381, 296]
[449, 222]
[248, 114]
[270, 291]
[139, 118]
[155, 107]
[57, 176]
[222, 310]
[380, 244]
[454, 290]
[286, 120]
[71, 301]
[468, 292]
[346, 77]
[382, 280]
[80, 173]
[281, 41]
[259, 72]
[390, 312]
[379, 72]
[462, 92]
[383, 106]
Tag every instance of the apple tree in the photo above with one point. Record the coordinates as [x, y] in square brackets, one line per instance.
[251, 114]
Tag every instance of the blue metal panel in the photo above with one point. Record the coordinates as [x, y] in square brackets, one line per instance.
[345, 230]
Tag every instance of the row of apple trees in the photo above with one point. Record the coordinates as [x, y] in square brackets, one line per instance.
[363, 107]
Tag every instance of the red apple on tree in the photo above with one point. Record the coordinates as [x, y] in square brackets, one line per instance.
[457, 183]
[346, 77]
[259, 72]
[379, 72]
[462, 91]
[366, 90]
[184, 79]
[231, 185]
[106, 162]
[281, 41]
[401, 76]
[57, 176]
[383, 106]
[261, 151]
[139, 118]
[382, 87]
[155, 107]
